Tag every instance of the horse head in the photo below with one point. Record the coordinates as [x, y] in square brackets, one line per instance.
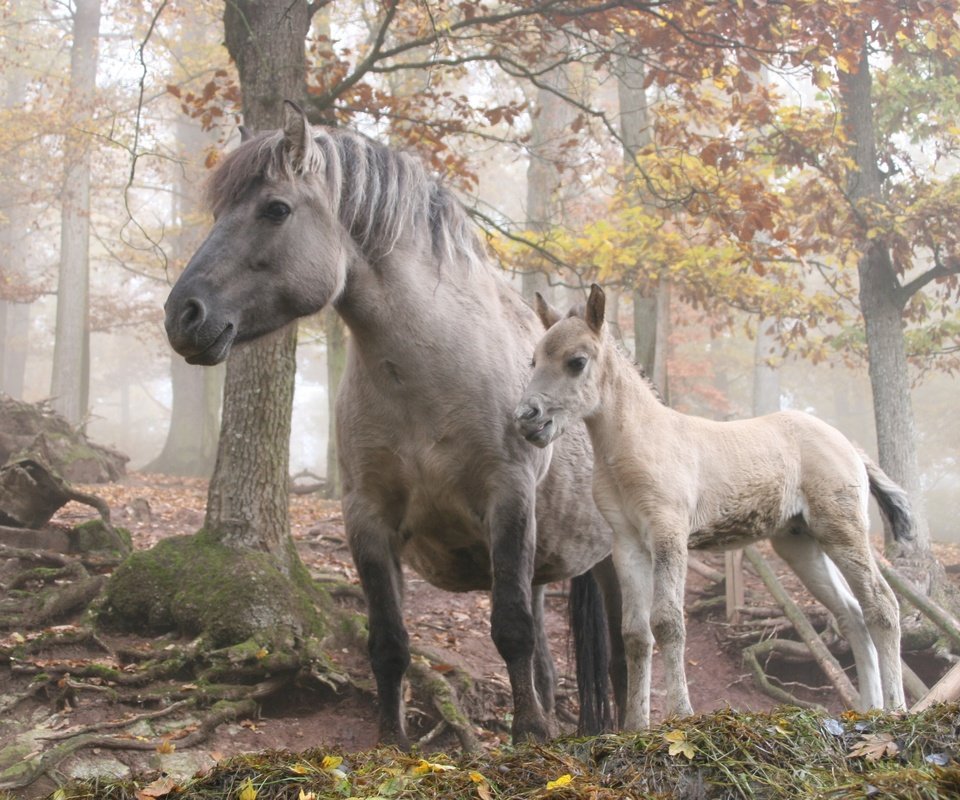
[567, 366]
[275, 251]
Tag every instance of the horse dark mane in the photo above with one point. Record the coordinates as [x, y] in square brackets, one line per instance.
[381, 195]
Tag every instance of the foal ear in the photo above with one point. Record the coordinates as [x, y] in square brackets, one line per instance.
[245, 134]
[596, 304]
[549, 316]
[297, 135]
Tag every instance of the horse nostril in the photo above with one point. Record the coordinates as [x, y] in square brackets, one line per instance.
[529, 413]
[194, 313]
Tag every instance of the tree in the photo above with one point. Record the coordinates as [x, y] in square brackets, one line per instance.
[70, 385]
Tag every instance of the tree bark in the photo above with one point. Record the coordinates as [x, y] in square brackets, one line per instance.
[551, 117]
[247, 500]
[191, 445]
[70, 385]
[882, 307]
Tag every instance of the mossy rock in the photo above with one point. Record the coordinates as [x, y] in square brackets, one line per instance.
[95, 537]
[194, 585]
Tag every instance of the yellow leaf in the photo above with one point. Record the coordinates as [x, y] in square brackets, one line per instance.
[560, 782]
[676, 735]
[247, 792]
[331, 762]
[476, 777]
[930, 39]
[262, 653]
[166, 747]
[306, 795]
[301, 769]
[679, 744]
[821, 79]
[423, 767]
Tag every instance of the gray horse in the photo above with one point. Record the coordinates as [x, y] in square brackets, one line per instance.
[434, 474]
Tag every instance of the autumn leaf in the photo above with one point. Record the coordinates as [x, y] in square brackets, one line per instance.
[247, 791]
[874, 746]
[166, 747]
[559, 783]
[159, 788]
[423, 767]
[306, 795]
[679, 744]
[331, 762]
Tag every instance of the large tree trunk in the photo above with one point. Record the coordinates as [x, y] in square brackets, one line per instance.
[70, 386]
[881, 304]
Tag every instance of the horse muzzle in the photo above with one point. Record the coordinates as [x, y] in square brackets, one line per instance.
[534, 424]
[195, 334]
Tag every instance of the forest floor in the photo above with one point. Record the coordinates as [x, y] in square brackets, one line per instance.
[453, 628]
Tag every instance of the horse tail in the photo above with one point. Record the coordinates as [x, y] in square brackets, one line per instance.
[588, 621]
[893, 500]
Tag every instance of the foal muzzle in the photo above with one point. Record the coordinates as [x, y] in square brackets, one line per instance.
[534, 422]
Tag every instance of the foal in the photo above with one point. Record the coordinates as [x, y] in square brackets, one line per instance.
[667, 482]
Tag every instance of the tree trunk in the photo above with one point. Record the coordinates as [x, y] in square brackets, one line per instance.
[651, 304]
[336, 363]
[551, 117]
[766, 376]
[14, 232]
[881, 303]
[70, 386]
[191, 445]
[247, 501]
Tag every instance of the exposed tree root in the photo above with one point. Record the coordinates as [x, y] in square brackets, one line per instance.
[432, 685]
[752, 657]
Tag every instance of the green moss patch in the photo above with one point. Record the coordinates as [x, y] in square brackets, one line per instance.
[193, 585]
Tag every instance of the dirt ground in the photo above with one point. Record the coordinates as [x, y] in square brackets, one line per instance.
[453, 627]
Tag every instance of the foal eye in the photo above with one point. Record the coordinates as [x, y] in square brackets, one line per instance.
[577, 364]
[276, 211]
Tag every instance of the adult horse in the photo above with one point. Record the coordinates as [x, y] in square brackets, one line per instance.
[668, 481]
[433, 472]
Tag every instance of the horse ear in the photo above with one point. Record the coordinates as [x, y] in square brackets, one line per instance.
[297, 135]
[596, 304]
[549, 316]
[245, 134]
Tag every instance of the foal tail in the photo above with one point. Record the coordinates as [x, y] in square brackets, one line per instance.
[588, 620]
[893, 500]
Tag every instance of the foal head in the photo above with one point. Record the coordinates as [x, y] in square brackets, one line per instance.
[565, 385]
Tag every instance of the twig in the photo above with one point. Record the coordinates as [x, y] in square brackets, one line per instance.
[751, 657]
[824, 658]
[113, 724]
[940, 617]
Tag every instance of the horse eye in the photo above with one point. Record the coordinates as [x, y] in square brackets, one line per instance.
[276, 211]
[577, 364]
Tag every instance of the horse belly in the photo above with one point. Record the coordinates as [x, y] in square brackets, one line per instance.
[746, 519]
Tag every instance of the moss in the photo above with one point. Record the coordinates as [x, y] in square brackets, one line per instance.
[194, 585]
[93, 536]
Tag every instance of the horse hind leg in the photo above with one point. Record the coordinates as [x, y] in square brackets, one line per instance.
[388, 643]
[825, 582]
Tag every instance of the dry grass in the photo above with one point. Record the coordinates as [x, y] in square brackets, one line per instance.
[788, 753]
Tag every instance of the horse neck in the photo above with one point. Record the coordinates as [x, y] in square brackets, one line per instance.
[626, 399]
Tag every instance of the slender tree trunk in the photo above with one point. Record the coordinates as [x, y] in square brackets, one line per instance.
[882, 307]
[247, 501]
[651, 304]
[766, 376]
[70, 385]
[550, 122]
[336, 363]
[191, 444]
[14, 255]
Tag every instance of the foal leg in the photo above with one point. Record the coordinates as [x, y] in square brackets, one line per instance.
[666, 614]
[824, 581]
[634, 563]
[848, 546]
[513, 536]
[388, 644]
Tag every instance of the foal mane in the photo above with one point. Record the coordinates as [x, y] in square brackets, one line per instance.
[380, 195]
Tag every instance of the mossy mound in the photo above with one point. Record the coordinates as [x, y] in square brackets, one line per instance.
[789, 753]
[194, 585]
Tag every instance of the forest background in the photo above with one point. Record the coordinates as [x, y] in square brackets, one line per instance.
[707, 162]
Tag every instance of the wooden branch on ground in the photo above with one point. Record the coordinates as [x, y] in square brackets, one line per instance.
[939, 616]
[788, 647]
[705, 570]
[824, 658]
[444, 701]
[946, 690]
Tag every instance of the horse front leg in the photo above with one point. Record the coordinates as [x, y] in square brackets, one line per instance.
[513, 536]
[381, 577]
